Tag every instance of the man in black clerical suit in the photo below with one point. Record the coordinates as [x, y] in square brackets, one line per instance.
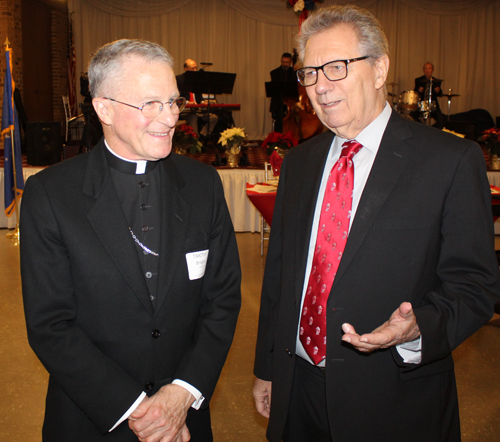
[130, 270]
[364, 353]
[422, 86]
[286, 78]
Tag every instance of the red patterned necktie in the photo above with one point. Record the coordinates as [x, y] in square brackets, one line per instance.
[333, 229]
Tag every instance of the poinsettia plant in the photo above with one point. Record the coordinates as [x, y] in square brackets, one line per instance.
[277, 140]
[491, 138]
[186, 138]
[231, 139]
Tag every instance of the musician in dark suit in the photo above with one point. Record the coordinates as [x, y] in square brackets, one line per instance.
[194, 118]
[285, 77]
[380, 260]
[422, 86]
[130, 271]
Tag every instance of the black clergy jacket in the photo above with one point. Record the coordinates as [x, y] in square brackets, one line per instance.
[89, 315]
[422, 233]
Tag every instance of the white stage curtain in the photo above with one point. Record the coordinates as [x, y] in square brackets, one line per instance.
[247, 37]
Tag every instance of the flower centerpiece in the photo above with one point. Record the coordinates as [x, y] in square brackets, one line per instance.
[303, 7]
[186, 138]
[279, 142]
[231, 140]
[277, 146]
[491, 138]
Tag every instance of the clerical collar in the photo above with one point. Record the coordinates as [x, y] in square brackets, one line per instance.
[131, 167]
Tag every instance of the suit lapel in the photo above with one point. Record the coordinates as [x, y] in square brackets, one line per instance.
[109, 224]
[392, 156]
[175, 213]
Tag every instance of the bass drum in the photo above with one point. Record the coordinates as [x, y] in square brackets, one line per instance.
[408, 101]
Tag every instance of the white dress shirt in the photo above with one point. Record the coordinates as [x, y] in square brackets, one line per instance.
[370, 137]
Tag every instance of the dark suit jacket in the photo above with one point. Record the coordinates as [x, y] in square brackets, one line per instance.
[422, 233]
[88, 312]
[184, 92]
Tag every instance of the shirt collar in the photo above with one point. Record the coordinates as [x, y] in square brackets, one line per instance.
[131, 167]
[371, 136]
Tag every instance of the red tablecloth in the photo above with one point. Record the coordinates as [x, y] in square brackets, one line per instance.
[495, 198]
[263, 202]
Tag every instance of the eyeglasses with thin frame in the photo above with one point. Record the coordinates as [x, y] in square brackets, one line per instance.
[334, 71]
[152, 109]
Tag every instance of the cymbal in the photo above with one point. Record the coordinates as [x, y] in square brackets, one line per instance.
[451, 95]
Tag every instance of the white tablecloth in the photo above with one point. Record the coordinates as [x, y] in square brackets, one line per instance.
[11, 222]
[243, 213]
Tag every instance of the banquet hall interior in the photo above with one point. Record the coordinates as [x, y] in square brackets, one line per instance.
[52, 39]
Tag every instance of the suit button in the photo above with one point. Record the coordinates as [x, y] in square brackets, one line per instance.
[144, 207]
[142, 185]
[289, 353]
[149, 386]
[145, 228]
[156, 333]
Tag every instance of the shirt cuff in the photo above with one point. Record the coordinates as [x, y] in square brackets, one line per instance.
[194, 391]
[411, 351]
[129, 411]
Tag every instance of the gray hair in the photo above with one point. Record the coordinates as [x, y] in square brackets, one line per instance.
[106, 63]
[372, 39]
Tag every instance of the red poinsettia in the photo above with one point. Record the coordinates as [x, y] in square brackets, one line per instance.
[186, 138]
[491, 137]
[277, 140]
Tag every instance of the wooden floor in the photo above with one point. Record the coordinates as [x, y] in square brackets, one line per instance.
[24, 380]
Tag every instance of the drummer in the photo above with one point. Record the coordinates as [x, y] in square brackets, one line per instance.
[422, 87]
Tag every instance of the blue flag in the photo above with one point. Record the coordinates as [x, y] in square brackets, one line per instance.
[9, 122]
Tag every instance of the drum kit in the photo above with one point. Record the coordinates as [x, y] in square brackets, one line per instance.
[411, 106]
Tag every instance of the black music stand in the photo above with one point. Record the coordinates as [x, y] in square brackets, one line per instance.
[210, 83]
[279, 90]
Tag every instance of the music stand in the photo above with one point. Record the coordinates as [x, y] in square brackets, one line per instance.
[280, 90]
[210, 83]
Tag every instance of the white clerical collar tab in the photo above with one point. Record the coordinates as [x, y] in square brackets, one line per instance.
[140, 164]
[141, 167]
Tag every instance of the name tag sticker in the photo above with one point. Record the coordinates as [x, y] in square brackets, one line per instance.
[196, 262]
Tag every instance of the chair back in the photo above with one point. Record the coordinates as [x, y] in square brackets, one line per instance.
[268, 171]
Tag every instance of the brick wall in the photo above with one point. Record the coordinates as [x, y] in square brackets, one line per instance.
[59, 62]
[11, 28]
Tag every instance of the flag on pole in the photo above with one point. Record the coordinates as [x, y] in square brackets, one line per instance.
[10, 126]
[71, 71]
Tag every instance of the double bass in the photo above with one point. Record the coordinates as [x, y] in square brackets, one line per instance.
[300, 118]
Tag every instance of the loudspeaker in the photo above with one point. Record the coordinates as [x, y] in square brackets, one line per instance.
[43, 143]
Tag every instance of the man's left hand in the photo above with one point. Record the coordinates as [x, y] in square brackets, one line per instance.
[400, 328]
[162, 417]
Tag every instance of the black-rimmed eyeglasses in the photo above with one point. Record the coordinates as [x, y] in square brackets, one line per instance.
[334, 70]
[152, 109]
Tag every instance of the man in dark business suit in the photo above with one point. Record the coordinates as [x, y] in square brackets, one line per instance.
[382, 234]
[130, 270]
